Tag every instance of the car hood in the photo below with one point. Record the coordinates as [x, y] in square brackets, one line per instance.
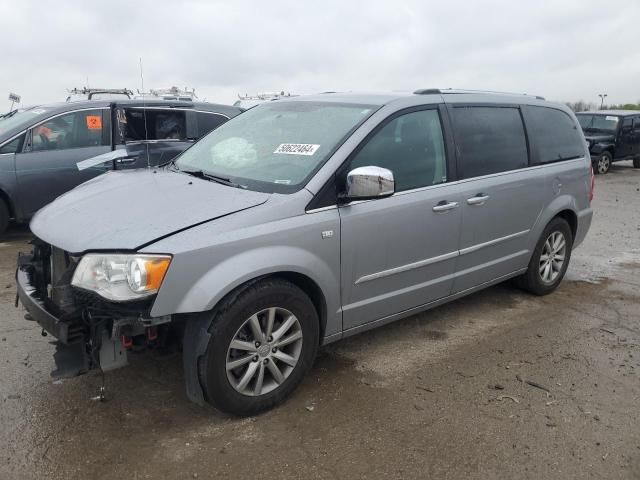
[128, 209]
[599, 137]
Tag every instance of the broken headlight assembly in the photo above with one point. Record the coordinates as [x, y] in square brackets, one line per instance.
[121, 277]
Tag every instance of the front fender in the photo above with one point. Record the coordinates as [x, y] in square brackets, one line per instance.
[598, 148]
[225, 276]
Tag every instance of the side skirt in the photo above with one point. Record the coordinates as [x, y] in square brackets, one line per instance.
[418, 309]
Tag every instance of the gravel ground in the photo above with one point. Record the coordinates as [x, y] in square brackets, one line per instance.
[443, 394]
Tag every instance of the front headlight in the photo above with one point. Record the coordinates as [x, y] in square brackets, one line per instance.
[121, 277]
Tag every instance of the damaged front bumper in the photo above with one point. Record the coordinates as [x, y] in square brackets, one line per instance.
[89, 331]
[28, 296]
[71, 356]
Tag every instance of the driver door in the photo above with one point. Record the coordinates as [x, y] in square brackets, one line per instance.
[46, 167]
[627, 139]
[399, 252]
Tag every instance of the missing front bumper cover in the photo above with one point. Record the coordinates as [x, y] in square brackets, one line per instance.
[71, 360]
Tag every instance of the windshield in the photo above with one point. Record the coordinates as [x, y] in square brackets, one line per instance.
[277, 146]
[602, 123]
[21, 118]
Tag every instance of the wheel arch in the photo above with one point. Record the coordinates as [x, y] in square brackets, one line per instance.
[315, 277]
[572, 219]
[4, 196]
[563, 206]
[311, 289]
[300, 280]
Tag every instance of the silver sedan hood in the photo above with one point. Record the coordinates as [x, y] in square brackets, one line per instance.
[128, 209]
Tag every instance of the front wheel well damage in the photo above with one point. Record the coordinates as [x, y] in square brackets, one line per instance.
[197, 326]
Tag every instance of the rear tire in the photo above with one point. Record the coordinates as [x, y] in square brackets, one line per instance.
[550, 259]
[271, 361]
[4, 217]
[603, 163]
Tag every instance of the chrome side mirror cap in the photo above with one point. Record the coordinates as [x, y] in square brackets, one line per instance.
[366, 183]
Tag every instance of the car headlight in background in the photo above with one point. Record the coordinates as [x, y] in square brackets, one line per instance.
[121, 277]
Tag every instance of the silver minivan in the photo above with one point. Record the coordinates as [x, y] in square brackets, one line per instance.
[304, 221]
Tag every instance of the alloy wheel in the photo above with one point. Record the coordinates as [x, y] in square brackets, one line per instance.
[552, 257]
[603, 164]
[264, 351]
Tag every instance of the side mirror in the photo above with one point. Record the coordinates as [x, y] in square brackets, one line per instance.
[366, 183]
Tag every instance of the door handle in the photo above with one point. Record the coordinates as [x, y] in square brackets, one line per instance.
[126, 160]
[478, 199]
[445, 206]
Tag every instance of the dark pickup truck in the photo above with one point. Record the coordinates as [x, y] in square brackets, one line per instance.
[613, 135]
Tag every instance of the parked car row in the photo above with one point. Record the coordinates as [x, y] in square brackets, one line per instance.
[297, 223]
[46, 150]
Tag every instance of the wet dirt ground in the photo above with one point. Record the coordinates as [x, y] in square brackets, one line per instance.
[443, 394]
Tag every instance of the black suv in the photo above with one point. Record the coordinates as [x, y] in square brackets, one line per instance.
[47, 150]
[613, 135]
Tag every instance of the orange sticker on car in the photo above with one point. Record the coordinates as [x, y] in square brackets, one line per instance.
[94, 122]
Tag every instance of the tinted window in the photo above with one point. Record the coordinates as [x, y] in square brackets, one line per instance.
[155, 125]
[73, 130]
[554, 134]
[627, 122]
[208, 121]
[411, 146]
[636, 123]
[490, 140]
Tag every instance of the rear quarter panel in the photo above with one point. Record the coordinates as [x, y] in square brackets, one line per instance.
[569, 184]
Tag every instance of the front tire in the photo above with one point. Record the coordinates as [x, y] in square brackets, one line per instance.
[263, 340]
[603, 163]
[550, 259]
[636, 162]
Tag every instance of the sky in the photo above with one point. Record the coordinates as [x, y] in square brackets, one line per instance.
[564, 50]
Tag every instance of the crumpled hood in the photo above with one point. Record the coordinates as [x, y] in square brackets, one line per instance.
[599, 137]
[128, 209]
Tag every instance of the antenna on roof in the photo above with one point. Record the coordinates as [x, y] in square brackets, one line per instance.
[144, 113]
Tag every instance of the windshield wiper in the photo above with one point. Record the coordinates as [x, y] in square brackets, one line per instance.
[209, 176]
[9, 114]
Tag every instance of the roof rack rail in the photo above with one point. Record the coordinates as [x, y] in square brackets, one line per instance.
[494, 92]
[90, 92]
[427, 91]
[436, 91]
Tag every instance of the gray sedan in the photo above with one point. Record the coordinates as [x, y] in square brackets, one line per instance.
[44, 149]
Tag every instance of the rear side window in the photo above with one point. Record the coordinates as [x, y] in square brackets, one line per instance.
[208, 122]
[411, 146]
[489, 140]
[554, 134]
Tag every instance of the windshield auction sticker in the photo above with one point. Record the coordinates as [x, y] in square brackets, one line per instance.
[297, 148]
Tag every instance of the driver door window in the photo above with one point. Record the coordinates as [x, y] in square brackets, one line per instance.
[73, 130]
[412, 147]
